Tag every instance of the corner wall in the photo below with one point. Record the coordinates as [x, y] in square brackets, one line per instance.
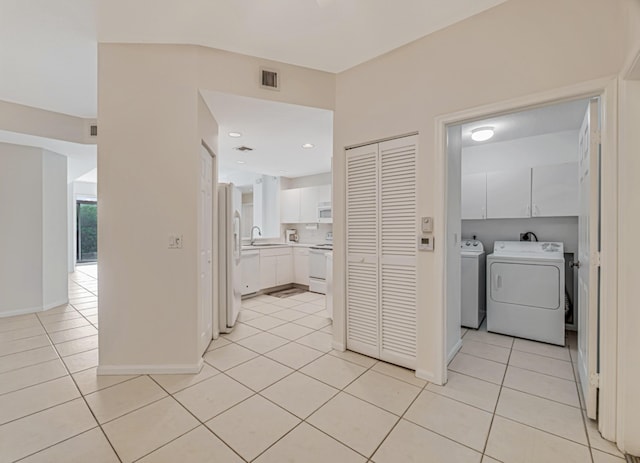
[532, 47]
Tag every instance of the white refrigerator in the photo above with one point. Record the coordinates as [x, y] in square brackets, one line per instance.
[229, 253]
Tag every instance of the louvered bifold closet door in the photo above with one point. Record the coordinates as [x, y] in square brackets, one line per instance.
[398, 265]
[363, 325]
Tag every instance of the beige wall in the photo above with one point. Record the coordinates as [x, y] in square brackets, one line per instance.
[513, 50]
[629, 223]
[152, 121]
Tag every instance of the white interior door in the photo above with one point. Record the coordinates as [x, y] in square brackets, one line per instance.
[588, 248]
[205, 245]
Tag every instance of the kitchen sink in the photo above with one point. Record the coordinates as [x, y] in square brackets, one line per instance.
[256, 245]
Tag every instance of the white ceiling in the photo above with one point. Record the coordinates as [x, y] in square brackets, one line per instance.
[48, 48]
[547, 119]
[276, 132]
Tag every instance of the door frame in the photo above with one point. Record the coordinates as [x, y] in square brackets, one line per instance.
[607, 90]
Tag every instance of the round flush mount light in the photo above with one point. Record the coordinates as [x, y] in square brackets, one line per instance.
[241, 162]
[308, 146]
[482, 133]
[235, 134]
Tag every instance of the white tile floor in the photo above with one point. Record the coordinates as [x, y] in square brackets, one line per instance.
[274, 391]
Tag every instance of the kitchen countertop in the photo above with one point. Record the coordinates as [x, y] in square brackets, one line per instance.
[248, 247]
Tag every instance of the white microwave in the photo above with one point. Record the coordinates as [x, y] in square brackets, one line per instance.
[324, 213]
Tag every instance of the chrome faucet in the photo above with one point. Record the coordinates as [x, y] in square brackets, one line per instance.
[259, 233]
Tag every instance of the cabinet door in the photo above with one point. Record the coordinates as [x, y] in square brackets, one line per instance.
[267, 271]
[309, 205]
[324, 194]
[284, 269]
[250, 270]
[474, 196]
[290, 206]
[509, 194]
[554, 190]
[301, 266]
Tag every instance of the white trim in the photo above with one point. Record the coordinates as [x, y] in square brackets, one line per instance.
[426, 375]
[29, 310]
[171, 369]
[605, 88]
[341, 346]
[454, 351]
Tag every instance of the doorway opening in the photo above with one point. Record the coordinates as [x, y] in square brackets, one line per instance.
[522, 248]
[86, 231]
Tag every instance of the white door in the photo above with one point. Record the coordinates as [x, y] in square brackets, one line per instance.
[588, 247]
[205, 244]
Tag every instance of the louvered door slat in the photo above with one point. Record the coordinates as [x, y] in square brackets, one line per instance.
[363, 321]
[398, 284]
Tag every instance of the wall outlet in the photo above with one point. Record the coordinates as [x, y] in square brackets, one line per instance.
[524, 237]
[175, 241]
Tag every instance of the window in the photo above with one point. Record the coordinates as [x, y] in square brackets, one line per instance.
[87, 231]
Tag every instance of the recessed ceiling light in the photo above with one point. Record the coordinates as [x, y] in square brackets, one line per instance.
[308, 145]
[241, 162]
[235, 134]
[482, 133]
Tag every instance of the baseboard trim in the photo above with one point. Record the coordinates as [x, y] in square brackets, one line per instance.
[175, 369]
[28, 310]
[426, 375]
[454, 351]
[338, 346]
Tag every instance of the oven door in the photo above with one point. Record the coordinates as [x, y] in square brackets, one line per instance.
[317, 264]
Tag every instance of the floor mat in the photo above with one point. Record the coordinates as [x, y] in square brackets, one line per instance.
[287, 292]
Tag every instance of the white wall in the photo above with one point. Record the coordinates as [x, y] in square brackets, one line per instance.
[547, 149]
[405, 91]
[33, 238]
[54, 229]
[307, 181]
[148, 118]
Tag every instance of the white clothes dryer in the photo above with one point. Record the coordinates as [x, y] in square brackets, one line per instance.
[525, 290]
[472, 302]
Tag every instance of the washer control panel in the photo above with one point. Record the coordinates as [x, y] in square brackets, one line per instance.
[471, 245]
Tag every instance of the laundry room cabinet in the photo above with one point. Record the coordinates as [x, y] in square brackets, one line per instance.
[554, 190]
[381, 250]
[474, 196]
[509, 194]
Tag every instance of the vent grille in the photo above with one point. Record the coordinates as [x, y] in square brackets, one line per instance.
[243, 148]
[93, 130]
[270, 79]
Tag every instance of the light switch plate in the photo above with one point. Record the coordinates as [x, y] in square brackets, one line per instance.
[427, 224]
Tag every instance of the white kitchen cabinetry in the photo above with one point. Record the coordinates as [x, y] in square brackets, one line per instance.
[250, 271]
[301, 266]
[276, 267]
[290, 206]
[309, 205]
[324, 194]
[509, 194]
[474, 196]
[554, 190]
[381, 283]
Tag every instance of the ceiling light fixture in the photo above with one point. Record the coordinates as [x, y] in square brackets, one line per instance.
[235, 134]
[482, 133]
[241, 162]
[308, 146]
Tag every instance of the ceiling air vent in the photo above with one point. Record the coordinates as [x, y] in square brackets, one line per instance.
[270, 79]
[93, 130]
[243, 148]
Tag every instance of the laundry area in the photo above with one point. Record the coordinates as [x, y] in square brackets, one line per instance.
[526, 210]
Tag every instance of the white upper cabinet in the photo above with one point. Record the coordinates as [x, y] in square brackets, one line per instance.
[308, 205]
[324, 194]
[554, 190]
[474, 196]
[290, 206]
[509, 194]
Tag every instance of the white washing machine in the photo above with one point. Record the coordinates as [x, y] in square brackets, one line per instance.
[472, 304]
[525, 290]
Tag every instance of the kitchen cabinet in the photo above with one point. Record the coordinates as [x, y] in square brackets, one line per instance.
[474, 196]
[250, 271]
[554, 190]
[300, 205]
[290, 206]
[509, 194]
[301, 266]
[276, 267]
